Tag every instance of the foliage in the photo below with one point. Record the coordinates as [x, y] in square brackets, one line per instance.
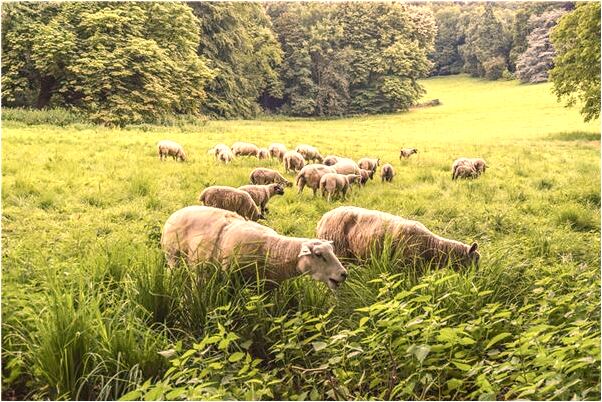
[576, 72]
[450, 35]
[118, 62]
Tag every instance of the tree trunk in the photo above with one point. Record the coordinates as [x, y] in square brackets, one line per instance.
[46, 87]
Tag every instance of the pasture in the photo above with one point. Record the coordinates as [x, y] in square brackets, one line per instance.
[87, 303]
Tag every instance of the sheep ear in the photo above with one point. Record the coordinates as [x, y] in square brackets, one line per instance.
[473, 248]
[305, 250]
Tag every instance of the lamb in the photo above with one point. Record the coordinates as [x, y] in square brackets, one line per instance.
[309, 153]
[468, 168]
[407, 152]
[339, 184]
[310, 176]
[262, 193]
[293, 161]
[331, 160]
[171, 148]
[245, 149]
[268, 176]
[217, 149]
[263, 153]
[369, 164]
[277, 150]
[346, 166]
[199, 234]
[356, 232]
[225, 155]
[365, 176]
[387, 172]
[479, 164]
[231, 199]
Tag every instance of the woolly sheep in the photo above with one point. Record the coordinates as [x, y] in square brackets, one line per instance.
[217, 149]
[198, 234]
[365, 176]
[369, 164]
[231, 199]
[356, 232]
[293, 161]
[309, 153]
[331, 160]
[336, 184]
[468, 168]
[268, 176]
[277, 150]
[407, 152]
[387, 172]
[225, 155]
[261, 193]
[245, 149]
[171, 148]
[263, 153]
[310, 176]
[346, 166]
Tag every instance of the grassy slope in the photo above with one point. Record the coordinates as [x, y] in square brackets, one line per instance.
[70, 193]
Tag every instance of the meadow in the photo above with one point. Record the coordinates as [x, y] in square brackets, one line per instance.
[89, 310]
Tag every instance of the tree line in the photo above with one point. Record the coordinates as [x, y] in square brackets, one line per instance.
[128, 63]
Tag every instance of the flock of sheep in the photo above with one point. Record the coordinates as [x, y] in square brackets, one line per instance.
[225, 230]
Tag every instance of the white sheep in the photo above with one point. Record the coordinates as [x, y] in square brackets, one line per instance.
[346, 166]
[277, 150]
[170, 148]
[293, 161]
[245, 149]
[387, 172]
[369, 164]
[407, 152]
[331, 160]
[261, 194]
[217, 149]
[310, 176]
[332, 184]
[468, 168]
[263, 153]
[309, 153]
[231, 199]
[225, 155]
[268, 176]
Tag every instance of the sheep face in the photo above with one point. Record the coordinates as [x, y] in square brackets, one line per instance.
[279, 189]
[182, 156]
[467, 258]
[317, 259]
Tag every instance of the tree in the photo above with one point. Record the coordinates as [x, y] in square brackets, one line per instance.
[450, 35]
[576, 72]
[118, 62]
[533, 64]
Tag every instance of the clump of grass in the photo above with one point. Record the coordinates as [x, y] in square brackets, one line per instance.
[56, 117]
[577, 218]
[141, 186]
[93, 199]
[575, 136]
[25, 188]
[544, 184]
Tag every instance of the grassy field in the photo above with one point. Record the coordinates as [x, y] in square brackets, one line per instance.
[87, 304]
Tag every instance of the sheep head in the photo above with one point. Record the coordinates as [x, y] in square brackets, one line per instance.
[317, 259]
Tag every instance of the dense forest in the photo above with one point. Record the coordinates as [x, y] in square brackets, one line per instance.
[129, 63]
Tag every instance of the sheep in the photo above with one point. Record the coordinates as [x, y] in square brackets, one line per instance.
[346, 166]
[263, 153]
[407, 152]
[331, 160]
[225, 155]
[293, 161]
[479, 164]
[356, 232]
[231, 199]
[365, 176]
[310, 176]
[468, 168]
[268, 176]
[387, 172]
[309, 153]
[369, 164]
[171, 148]
[334, 183]
[217, 149]
[199, 234]
[277, 150]
[261, 194]
[245, 149]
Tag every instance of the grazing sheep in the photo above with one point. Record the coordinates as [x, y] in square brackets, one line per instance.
[336, 184]
[387, 172]
[261, 194]
[232, 199]
[263, 153]
[171, 148]
[245, 149]
[309, 153]
[217, 149]
[200, 234]
[225, 155]
[407, 152]
[346, 166]
[310, 176]
[365, 176]
[479, 164]
[468, 168]
[293, 161]
[356, 232]
[268, 176]
[369, 164]
[331, 160]
[277, 150]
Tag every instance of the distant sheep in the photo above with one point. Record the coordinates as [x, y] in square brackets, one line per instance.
[268, 176]
[346, 166]
[293, 161]
[332, 184]
[245, 149]
[309, 153]
[407, 152]
[171, 148]
[261, 194]
[310, 176]
[198, 234]
[277, 150]
[217, 149]
[387, 172]
[263, 153]
[369, 164]
[225, 155]
[331, 160]
[231, 199]
[356, 232]
[468, 168]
